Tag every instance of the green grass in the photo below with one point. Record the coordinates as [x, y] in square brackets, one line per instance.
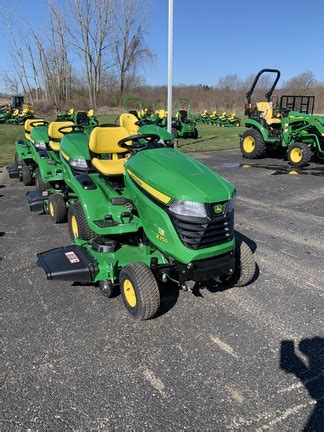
[210, 138]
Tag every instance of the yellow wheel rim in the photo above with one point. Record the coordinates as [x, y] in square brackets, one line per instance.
[74, 226]
[129, 293]
[248, 144]
[296, 155]
[51, 209]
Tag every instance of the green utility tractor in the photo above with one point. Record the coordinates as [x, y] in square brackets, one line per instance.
[184, 126]
[37, 157]
[135, 126]
[289, 125]
[139, 213]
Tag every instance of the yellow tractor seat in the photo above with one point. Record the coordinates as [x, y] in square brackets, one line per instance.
[267, 112]
[15, 113]
[104, 143]
[128, 121]
[54, 135]
[162, 114]
[90, 113]
[29, 124]
[70, 112]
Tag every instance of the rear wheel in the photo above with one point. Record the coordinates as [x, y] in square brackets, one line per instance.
[78, 224]
[57, 208]
[40, 183]
[140, 291]
[26, 175]
[195, 134]
[299, 155]
[252, 145]
[320, 157]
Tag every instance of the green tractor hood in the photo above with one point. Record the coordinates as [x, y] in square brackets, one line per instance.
[153, 129]
[178, 176]
[39, 133]
[76, 146]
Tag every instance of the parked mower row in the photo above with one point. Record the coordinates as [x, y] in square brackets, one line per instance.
[220, 120]
[17, 112]
[139, 213]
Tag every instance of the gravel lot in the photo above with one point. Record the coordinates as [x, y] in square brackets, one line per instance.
[247, 358]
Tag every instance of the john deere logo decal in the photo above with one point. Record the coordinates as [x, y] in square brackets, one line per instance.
[218, 208]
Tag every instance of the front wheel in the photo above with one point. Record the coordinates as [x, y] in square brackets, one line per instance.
[245, 266]
[299, 155]
[57, 208]
[252, 145]
[78, 224]
[26, 175]
[140, 291]
[40, 183]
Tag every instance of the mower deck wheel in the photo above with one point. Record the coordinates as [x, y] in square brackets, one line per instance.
[78, 224]
[252, 145]
[140, 291]
[40, 183]
[299, 155]
[57, 208]
[26, 175]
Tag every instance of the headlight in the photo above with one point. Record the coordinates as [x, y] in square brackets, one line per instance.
[188, 208]
[78, 163]
[40, 145]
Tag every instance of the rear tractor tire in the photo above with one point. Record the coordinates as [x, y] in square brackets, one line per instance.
[245, 266]
[78, 224]
[252, 145]
[140, 291]
[299, 155]
[57, 208]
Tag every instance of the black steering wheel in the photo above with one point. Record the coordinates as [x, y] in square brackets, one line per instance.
[39, 123]
[143, 122]
[70, 129]
[136, 145]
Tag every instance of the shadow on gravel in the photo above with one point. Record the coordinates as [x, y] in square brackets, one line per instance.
[309, 372]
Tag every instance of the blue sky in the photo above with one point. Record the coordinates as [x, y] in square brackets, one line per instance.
[213, 38]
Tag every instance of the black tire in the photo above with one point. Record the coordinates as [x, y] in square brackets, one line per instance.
[195, 134]
[39, 182]
[144, 288]
[299, 155]
[252, 145]
[107, 288]
[81, 230]
[245, 266]
[26, 175]
[174, 133]
[57, 208]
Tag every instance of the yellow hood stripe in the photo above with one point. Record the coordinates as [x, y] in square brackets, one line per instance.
[154, 192]
[66, 157]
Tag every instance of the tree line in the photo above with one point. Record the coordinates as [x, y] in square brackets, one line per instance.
[86, 45]
[89, 53]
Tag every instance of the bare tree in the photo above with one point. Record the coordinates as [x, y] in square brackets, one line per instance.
[129, 48]
[302, 82]
[92, 39]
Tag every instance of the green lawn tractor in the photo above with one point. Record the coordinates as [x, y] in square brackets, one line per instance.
[138, 213]
[86, 119]
[37, 157]
[202, 117]
[134, 126]
[184, 126]
[134, 105]
[289, 126]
